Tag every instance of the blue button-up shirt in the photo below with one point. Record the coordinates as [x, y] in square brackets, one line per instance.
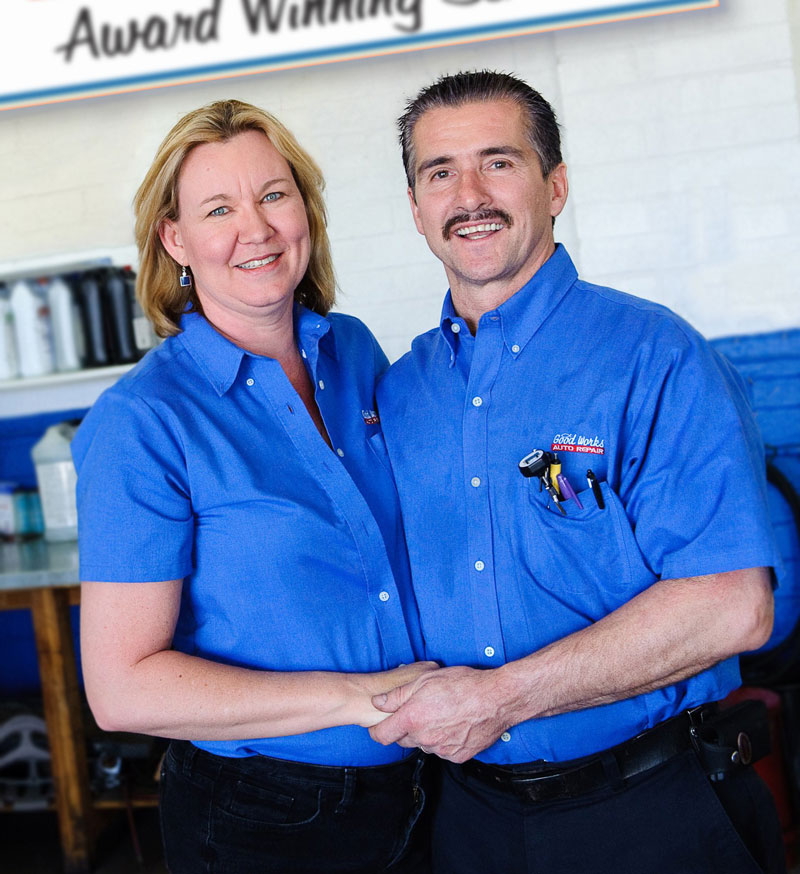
[612, 384]
[202, 463]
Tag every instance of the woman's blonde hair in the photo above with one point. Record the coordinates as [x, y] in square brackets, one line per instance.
[157, 286]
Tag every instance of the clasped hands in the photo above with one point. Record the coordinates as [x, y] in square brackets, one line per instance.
[450, 712]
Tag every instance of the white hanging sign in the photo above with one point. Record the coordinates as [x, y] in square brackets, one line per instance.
[53, 50]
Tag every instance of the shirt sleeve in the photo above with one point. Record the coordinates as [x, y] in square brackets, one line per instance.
[693, 480]
[135, 521]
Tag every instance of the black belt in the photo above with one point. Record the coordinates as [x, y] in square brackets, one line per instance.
[547, 782]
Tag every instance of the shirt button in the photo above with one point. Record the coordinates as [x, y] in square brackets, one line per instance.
[515, 348]
[475, 481]
[340, 453]
[477, 401]
[251, 382]
[455, 328]
[489, 651]
[384, 596]
[321, 384]
[505, 737]
[479, 565]
[303, 353]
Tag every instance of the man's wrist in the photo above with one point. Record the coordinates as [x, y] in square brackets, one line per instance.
[516, 698]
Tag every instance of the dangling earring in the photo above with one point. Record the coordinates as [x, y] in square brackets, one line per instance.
[186, 278]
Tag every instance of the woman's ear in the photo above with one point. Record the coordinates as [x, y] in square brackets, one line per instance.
[170, 236]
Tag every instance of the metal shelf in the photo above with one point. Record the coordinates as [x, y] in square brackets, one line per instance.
[56, 391]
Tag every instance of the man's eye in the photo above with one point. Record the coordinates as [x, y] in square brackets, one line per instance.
[220, 210]
[272, 196]
[441, 174]
[499, 165]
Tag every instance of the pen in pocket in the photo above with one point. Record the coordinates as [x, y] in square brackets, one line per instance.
[594, 485]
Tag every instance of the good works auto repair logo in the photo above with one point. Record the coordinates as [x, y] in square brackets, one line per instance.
[579, 443]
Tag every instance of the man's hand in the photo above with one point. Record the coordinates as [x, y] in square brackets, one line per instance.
[366, 687]
[452, 713]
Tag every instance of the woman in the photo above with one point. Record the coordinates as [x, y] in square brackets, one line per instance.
[246, 588]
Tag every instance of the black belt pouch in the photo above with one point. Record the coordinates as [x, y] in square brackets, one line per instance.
[732, 738]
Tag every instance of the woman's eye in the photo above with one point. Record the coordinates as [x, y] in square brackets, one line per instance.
[272, 196]
[220, 210]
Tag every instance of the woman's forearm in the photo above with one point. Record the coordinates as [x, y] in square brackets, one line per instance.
[136, 682]
[175, 695]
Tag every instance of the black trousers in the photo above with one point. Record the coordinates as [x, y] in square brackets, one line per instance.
[668, 820]
[257, 815]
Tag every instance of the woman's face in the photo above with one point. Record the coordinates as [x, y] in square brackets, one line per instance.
[243, 228]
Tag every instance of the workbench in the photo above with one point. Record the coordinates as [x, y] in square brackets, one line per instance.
[43, 578]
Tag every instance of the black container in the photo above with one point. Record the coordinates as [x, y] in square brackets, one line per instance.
[90, 298]
[118, 315]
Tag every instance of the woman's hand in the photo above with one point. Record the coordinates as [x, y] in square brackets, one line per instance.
[365, 686]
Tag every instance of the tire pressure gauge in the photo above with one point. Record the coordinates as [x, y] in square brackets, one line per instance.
[537, 463]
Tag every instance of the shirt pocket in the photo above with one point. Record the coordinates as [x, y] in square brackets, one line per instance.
[590, 552]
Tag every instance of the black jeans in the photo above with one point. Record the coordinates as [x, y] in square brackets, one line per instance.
[257, 814]
[668, 820]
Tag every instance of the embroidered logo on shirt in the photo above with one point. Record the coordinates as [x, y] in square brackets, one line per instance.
[579, 443]
[371, 417]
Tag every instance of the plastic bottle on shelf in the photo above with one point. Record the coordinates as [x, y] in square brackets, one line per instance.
[8, 520]
[68, 342]
[144, 335]
[9, 362]
[119, 317]
[32, 328]
[56, 476]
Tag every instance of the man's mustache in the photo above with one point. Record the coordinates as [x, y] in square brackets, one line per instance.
[483, 215]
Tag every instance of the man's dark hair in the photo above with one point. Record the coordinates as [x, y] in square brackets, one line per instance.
[483, 85]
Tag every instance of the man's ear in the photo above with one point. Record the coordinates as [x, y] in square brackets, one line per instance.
[414, 209]
[170, 236]
[559, 189]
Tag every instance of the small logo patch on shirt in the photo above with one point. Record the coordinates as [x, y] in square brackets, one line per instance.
[579, 443]
[371, 417]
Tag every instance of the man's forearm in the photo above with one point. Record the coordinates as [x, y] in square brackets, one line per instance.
[671, 631]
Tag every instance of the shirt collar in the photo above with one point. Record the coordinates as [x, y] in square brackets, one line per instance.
[524, 312]
[310, 328]
[219, 359]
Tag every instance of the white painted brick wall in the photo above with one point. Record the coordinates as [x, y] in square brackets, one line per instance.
[681, 136]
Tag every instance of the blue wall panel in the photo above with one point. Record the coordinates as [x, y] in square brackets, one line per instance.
[770, 364]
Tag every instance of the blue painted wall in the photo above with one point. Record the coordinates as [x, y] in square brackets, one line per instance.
[770, 363]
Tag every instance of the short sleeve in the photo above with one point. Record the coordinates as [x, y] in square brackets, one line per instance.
[693, 481]
[135, 521]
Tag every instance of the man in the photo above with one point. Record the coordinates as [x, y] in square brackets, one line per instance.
[582, 621]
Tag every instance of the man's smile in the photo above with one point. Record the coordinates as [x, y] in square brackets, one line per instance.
[477, 225]
[479, 231]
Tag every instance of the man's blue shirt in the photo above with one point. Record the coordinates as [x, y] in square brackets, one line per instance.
[202, 463]
[612, 384]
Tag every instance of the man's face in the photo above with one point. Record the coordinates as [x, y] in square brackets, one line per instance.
[480, 198]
